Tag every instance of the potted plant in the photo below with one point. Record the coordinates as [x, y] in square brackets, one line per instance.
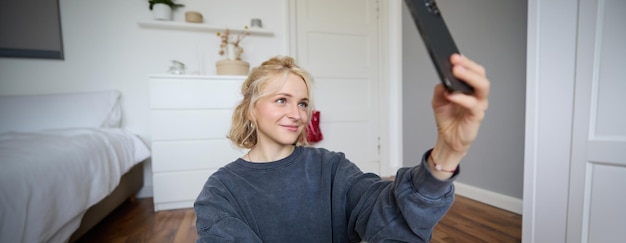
[231, 49]
[162, 9]
[233, 64]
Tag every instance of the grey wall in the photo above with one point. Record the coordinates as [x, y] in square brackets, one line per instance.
[492, 33]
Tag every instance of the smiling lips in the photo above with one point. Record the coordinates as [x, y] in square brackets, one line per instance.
[291, 128]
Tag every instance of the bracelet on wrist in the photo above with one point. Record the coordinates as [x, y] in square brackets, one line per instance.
[438, 167]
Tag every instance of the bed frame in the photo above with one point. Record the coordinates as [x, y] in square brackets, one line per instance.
[130, 184]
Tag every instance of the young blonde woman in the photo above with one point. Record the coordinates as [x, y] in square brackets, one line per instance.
[284, 191]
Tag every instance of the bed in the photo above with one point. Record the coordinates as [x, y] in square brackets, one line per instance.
[65, 163]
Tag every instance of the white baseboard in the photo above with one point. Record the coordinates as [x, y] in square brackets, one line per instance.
[145, 192]
[492, 198]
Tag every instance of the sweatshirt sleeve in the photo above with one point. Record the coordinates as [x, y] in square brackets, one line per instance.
[406, 209]
[217, 220]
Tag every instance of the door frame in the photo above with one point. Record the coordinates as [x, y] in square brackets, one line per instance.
[390, 69]
[550, 85]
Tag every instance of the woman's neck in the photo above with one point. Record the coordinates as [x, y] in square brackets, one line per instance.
[260, 154]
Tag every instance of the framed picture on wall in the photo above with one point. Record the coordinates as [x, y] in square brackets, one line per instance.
[30, 29]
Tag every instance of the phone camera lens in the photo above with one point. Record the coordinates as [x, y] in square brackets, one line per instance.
[431, 5]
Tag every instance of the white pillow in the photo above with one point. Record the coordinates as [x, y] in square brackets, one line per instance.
[100, 109]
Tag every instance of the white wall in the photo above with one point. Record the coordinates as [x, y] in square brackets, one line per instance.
[492, 33]
[106, 49]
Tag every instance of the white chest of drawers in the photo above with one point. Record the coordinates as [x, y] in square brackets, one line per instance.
[191, 116]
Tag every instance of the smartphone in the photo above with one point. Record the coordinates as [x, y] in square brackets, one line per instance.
[438, 41]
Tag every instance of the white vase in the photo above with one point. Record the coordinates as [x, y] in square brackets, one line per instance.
[161, 11]
[231, 51]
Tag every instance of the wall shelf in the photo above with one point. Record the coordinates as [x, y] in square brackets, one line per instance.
[173, 25]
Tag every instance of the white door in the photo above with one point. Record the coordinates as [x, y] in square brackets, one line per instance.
[597, 192]
[337, 42]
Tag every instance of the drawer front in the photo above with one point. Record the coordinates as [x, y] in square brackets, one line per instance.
[194, 93]
[190, 124]
[193, 155]
[179, 186]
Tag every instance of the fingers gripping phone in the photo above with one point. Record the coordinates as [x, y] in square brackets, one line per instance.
[438, 41]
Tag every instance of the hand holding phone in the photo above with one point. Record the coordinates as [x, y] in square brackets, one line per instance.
[438, 41]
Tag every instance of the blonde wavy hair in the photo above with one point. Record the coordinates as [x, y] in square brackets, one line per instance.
[243, 131]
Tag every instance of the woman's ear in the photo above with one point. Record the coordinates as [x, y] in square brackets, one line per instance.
[250, 116]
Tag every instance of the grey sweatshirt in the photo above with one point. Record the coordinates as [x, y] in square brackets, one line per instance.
[316, 195]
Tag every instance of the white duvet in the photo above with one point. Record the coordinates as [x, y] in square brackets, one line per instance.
[49, 178]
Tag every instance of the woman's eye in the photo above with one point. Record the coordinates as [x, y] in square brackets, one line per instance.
[281, 100]
[303, 104]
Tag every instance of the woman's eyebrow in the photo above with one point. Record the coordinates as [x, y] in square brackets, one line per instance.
[290, 96]
[283, 94]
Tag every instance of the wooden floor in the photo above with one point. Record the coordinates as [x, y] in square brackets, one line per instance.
[472, 221]
[135, 221]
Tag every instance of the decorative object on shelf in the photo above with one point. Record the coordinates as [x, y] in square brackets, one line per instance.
[256, 23]
[231, 49]
[193, 17]
[162, 9]
[177, 67]
[232, 65]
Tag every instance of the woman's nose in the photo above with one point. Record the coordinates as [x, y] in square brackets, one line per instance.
[295, 112]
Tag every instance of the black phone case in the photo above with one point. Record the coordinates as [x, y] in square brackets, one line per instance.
[438, 41]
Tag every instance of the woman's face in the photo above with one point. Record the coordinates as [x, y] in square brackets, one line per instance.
[282, 116]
